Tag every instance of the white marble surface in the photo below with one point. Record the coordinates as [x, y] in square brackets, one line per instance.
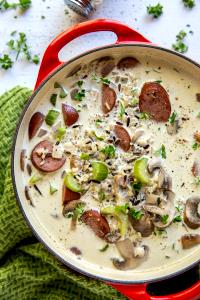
[132, 12]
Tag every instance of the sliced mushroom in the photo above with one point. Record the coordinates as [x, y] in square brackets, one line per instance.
[196, 169]
[144, 225]
[73, 93]
[190, 240]
[119, 182]
[35, 123]
[22, 159]
[123, 136]
[71, 205]
[165, 207]
[164, 180]
[137, 133]
[106, 65]
[113, 236]
[133, 255]
[153, 164]
[108, 98]
[192, 212]
[173, 128]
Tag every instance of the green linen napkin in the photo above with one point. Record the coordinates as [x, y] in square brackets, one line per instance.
[27, 269]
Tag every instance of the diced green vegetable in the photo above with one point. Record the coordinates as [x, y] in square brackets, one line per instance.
[52, 189]
[98, 122]
[80, 83]
[80, 95]
[53, 99]
[99, 138]
[189, 3]
[77, 212]
[34, 179]
[195, 146]
[140, 171]
[164, 219]
[144, 116]
[84, 156]
[103, 80]
[121, 217]
[134, 101]
[101, 195]
[71, 183]
[177, 219]
[109, 151]
[172, 118]
[104, 248]
[161, 152]
[121, 110]
[60, 132]
[197, 181]
[63, 91]
[51, 117]
[137, 187]
[136, 214]
[99, 170]
[6, 62]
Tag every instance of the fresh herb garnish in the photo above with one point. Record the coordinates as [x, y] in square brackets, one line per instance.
[122, 208]
[77, 212]
[98, 122]
[103, 80]
[159, 232]
[6, 62]
[177, 219]
[164, 219]
[80, 83]
[136, 214]
[134, 101]
[20, 46]
[172, 118]
[51, 117]
[156, 11]
[195, 146]
[52, 189]
[104, 248]
[98, 137]
[158, 81]
[189, 3]
[137, 187]
[161, 152]
[144, 116]
[60, 132]
[34, 179]
[179, 46]
[80, 95]
[179, 208]
[121, 110]
[197, 181]
[84, 156]
[23, 4]
[53, 99]
[109, 151]
[63, 91]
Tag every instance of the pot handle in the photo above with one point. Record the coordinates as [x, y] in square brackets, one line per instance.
[50, 59]
[139, 292]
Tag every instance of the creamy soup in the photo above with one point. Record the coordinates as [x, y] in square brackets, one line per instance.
[111, 163]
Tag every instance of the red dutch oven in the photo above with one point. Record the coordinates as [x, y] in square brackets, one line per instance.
[129, 42]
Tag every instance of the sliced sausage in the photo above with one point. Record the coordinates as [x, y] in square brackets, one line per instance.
[155, 101]
[123, 136]
[35, 123]
[107, 64]
[97, 222]
[46, 164]
[68, 195]
[70, 115]
[108, 98]
[127, 63]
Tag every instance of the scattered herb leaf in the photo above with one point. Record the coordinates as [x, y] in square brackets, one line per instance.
[84, 156]
[109, 151]
[121, 110]
[172, 118]
[104, 248]
[161, 152]
[156, 11]
[144, 116]
[164, 219]
[177, 219]
[136, 214]
[6, 62]
[53, 99]
[179, 46]
[195, 146]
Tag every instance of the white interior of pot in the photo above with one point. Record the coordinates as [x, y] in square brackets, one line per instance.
[43, 228]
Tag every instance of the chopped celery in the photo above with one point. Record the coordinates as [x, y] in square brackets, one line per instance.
[140, 171]
[60, 132]
[52, 189]
[53, 99]
[34, 179]
[85, 156]
[51, 117]
[71, 183]
[99, 170]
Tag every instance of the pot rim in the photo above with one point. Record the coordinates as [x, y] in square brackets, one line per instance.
[15, 136]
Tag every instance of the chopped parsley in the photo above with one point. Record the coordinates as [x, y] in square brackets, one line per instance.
[179, 46]
[156, 11]
[109, 151]
[80, 83]
[121, 110]
[36, 59]
[98, 122]
[197, 181]
[137, 187]
[6, 62]
[104, 248]
[77, 212]
[195, 146]
[103, 80]
[189, 3]
[134, 101]
[23, 4]
[158, 81]
[136, 214]
[164, 219]
[101, 195]
[161, 152]
[52, 189]
[63, 91]
[144, 116]
[122, 208]
[177, 219]
[172, 118]
[80, 95]
[84, 156]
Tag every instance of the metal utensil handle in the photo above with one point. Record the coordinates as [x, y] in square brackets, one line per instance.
[50, 59]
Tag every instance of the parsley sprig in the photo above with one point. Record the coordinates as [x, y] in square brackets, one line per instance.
[180, 46]
[6, 62]
[189, 3]
[22, 4]
[156, 11]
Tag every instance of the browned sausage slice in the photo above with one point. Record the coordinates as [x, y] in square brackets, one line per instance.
[97, 222]
[154, 100]
[127, 63]
[46, 164]
[35, 123]
[107, 64]
[69, 195]
[123, 136]
[108, 98]
[70, 115]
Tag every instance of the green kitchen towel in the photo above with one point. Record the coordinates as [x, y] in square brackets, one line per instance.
[27, 269]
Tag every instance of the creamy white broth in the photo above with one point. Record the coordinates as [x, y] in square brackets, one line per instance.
[180, 157]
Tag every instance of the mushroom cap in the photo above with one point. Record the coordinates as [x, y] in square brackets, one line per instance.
[154, 163]
[144, 225]
[190, 240]
[192, 212]
[127, 251]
